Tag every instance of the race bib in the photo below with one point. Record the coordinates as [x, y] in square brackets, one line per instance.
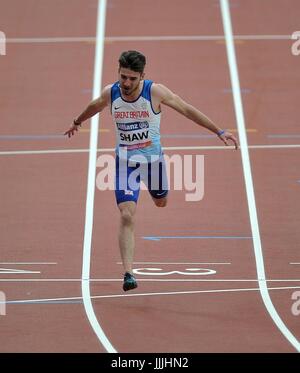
[134, 135]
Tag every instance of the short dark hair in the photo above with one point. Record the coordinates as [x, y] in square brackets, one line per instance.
[133, 60]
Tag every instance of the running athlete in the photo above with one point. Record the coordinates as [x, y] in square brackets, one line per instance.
[136, 111]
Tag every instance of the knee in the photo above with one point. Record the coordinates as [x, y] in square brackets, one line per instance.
[161, 202]
[127, 217]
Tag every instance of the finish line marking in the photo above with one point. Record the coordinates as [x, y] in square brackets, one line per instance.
[139, 279]
[166, 148]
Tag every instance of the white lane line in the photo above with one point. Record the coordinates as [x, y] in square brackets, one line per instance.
[79, 39]
[166, 148]
[91, 39]
[50, 151]
[172, 263]
[294, 263]
[248, 176]
[196, 38]
[15, 271]
[25, 263]
[141, 279]
[291, 146]
[89, 212]
[144, 294]
[40, 152]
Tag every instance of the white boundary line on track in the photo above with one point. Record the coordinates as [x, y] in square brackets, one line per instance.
[26, 263]
[140, 279]
[91, 39]
[88, 228]
[14, 271]
[189, 292]
[191, 263]
[166, 148]
[234, 76]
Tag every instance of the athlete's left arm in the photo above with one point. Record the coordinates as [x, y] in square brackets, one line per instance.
[165, 96]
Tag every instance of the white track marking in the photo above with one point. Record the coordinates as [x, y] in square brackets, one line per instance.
[248, 175]
[166, 148]
[25, 263]
[195, 38]
[170, 263]
[146, 294]
[15, 271]
[292, 146]
[140, 279]
[89, 212]
[40, 152]
[91, 39]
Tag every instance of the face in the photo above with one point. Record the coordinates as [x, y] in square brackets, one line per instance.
[129, 81]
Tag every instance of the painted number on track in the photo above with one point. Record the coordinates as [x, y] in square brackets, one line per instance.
[186, 272]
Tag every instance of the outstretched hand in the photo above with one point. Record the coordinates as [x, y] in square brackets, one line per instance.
[229, 136]
[72, 130]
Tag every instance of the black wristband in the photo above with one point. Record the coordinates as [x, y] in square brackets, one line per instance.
[76, 123]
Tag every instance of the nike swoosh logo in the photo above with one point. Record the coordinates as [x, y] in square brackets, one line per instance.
[117, 108]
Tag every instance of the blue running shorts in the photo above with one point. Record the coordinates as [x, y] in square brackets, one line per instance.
[129, 175]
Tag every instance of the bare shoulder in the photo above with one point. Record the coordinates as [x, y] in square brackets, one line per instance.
[106, 90]
[105, 95]
[161, 92]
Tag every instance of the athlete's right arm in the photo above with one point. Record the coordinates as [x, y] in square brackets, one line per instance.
[94, 107]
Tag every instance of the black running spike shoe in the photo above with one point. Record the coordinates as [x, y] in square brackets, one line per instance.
[129, 282]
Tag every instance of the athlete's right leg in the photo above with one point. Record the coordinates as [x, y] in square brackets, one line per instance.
[126, 233]
[126, 197]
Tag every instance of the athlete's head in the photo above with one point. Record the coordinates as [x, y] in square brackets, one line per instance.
[131, 71]
[133, 60]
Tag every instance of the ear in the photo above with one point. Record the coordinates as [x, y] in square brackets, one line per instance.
[142, 76]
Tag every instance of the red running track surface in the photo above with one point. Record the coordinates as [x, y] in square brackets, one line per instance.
[46, 82]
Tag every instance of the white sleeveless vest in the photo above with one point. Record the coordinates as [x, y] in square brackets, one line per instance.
[137, 124]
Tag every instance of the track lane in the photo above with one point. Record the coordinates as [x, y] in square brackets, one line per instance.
[43, 198]
[272, 73]
[136, 322]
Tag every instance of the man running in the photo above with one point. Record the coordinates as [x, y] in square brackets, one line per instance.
[136, 111]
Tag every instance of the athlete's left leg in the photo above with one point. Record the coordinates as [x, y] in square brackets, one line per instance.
[160, 202]
[158, 182]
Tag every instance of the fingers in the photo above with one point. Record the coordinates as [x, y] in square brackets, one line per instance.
[228, 136]
[70, 132]
[224, 139]
[234, 140]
